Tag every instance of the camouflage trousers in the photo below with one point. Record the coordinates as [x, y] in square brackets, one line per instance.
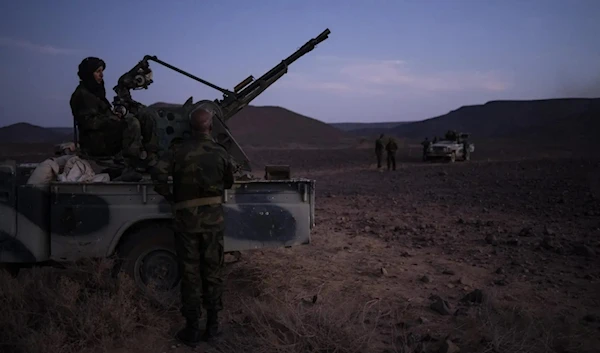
[201, 266]
[391, 160]
[140, 134]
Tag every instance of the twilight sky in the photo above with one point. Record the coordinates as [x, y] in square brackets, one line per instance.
[384, 60]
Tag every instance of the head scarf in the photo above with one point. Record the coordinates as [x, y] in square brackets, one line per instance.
[86, 74]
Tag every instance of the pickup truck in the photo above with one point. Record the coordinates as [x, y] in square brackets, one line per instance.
[63, 221]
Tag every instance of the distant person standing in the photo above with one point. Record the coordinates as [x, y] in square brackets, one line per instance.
[379, 150]
[426, 145]
[391, 147]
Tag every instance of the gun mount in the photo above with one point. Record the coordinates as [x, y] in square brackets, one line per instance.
[173, 120]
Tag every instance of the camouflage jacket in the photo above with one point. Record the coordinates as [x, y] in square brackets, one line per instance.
[201, 168]
[391, 146]
[99, 130]
[379, 145]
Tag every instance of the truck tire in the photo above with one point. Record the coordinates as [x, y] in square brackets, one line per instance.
[10, 268]
[148, 257]
[452, 157]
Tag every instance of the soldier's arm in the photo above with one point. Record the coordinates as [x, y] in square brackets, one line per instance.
[228, 178]
[160, 175]
[87, 115]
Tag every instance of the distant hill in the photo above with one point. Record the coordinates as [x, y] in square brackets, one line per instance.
[28, 133]
[499, 119]
[271, 126]
[351, 127]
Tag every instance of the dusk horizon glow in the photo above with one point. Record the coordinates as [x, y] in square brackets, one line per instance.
[383, 62]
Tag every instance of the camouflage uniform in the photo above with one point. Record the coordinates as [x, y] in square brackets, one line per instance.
[102, 133]
[426, 145]
[391, 147]
[379, 150]
[201, 171]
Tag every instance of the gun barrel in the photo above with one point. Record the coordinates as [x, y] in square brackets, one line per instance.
[232, 104]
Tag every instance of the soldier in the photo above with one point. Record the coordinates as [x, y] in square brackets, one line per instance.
[201, 171]
[426, 145]
[435, 139]
[102, 132]
[466, 151]
[379, 150]
[391, 147]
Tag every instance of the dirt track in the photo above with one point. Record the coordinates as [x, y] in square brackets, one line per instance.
[526, 233]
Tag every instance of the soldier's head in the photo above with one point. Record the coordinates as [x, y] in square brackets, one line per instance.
[91, 69]
[201, 121]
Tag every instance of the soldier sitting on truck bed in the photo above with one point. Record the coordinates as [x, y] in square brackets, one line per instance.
[102, 132]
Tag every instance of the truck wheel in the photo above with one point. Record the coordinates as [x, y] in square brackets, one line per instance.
[149, 258]
[453, 157]
[11, 269]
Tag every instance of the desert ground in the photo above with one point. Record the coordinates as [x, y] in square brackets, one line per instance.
[498, 254]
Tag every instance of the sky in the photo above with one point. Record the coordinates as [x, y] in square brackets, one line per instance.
[384, 60]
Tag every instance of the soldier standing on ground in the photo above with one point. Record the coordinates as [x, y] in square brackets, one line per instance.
[201, 171]
[466, 151]
[102, 132]
[391, 147]
[426, 145]
[379, 150]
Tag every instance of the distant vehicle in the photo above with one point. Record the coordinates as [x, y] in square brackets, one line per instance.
[450, 150]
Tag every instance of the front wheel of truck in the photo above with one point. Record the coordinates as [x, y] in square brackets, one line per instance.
[148, 257]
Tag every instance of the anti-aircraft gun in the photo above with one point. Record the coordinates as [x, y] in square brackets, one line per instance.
[45, 221]
[173, 124]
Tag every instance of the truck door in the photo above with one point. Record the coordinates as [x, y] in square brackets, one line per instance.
[8, 205]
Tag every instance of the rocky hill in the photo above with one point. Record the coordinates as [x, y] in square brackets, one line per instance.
[28, 133]
[270, 126]
[505, 119]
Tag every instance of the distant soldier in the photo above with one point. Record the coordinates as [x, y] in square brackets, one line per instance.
[426, 145]
[451, 135]
[379, 150]
[435, 139]
[201, 170]
[391, 147]
[466, 151]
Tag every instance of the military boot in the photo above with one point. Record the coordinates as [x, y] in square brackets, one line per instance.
[212, 327]
[190, 334]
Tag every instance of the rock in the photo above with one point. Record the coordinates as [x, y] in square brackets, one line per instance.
[448, 272]
[440, 306]
[548, 231]
[513, 242]
[425, 279]
[584, 250]
[500, 271]
[367, 229]
[422, 320]
[526, 232]
[491, 239]
[383, 271]
[448, 347]
[475, 296]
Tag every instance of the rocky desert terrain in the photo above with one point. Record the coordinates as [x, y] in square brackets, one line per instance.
[498, 254]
